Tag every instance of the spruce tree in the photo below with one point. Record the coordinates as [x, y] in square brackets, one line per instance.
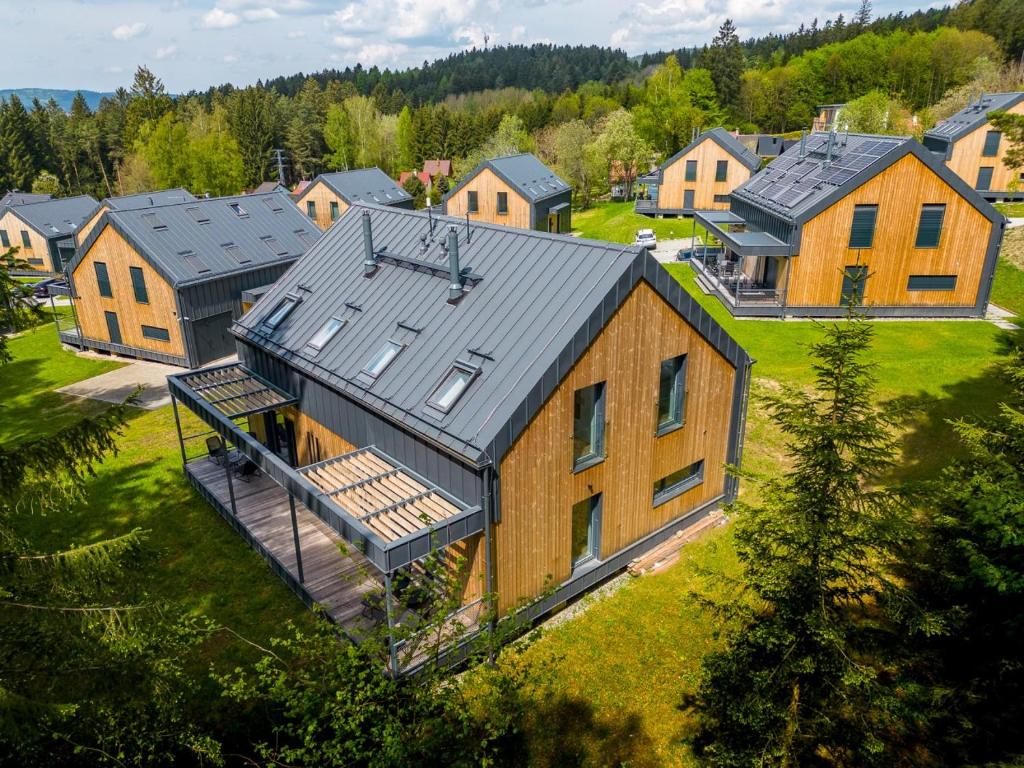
[801, 679]
[16, 143]
[724, 58]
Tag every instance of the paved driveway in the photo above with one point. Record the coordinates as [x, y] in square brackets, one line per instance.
[667, 249]
[115, 386]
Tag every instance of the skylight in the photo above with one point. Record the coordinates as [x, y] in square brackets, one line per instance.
[380, 362]
[326, 333]
[154, 222]
[273, 204]
[235, 253]
[304, 237]
[199, 215]
[281, 311]
[238, 210]
[452, 387]
[192, 260]
[274, 245]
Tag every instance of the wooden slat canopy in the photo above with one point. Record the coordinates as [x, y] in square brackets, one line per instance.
[236, 391]
[389, 498]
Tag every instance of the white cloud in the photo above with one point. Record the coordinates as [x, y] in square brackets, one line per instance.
[218, 18]
[128, 31]
[476, 36]
[166, 52]
[405, 19]
[261, 14]
[230, 58]
[296, 34]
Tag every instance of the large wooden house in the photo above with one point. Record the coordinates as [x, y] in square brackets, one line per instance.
[132, 203]
[165, 282]
[329, 195]
[974, 150]
[877, 221]
[43, 231]
[700, 176]
[547, 407]
[514, 191]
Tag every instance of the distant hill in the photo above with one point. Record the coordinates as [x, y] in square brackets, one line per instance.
[62, 97]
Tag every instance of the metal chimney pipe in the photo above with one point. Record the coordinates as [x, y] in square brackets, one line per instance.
[828, 147]
[803, 143]
[469, 234]
[369, 257]
[455, 289]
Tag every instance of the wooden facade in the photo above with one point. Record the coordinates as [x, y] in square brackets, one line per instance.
[160, 311]
[899, 191]
[37, 253]
[966, 160]
[83, 233]
[487, 184]
[538, 485]
[322, 196]
[708, 194]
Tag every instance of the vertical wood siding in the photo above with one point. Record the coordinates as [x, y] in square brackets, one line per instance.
[83, 233]
[966, 158]
[537, 486]
[487, 184]
[39, 250]
[323, 196]
[899, 191]
[707, 154]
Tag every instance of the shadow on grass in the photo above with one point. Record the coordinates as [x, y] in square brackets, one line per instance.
[929, 442]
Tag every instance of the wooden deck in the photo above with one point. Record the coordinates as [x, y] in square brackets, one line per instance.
[334, 580]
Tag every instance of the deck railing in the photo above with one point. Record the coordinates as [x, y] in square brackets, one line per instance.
[646, 206]
[737, 288]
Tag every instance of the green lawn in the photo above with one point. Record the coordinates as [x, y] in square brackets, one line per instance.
[1013, 210]
[617, 223]
[1008, 288]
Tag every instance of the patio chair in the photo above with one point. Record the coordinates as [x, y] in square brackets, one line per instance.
[215, 450]
[246, 470]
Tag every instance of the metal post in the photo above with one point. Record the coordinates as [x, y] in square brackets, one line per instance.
[177, 424]
[295, 537]
[488, 505]
[231, 485]
[390, 608]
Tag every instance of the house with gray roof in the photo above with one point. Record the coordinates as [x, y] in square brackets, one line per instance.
[133, 203]
[15, 197]
[329, 195]
[699, 176]
[44, 231]
[975, 150]
[164, 282]
[514, 191]
[874, 221]
[516, 401]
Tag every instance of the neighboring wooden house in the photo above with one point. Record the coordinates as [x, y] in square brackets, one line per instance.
[974, 150]
[437, 168]
[44, 231]
[700, 176]
[164, 282]
[329, 195]
[877, 221]
[826, 119]
[268, 186]
[547, 417]
[132, 203]
[515, 191]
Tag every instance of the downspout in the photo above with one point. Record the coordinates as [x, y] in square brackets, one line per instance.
[487, 502]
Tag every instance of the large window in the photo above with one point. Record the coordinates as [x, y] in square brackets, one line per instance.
[929, 226]
[25, 239]
[385, 357]
[586, 530]
[854, 281]
[991, 148]
[311, 208]
[139, 285]
[334, 210]
[451, 388]
[588, 426]
[688, 199]
[671, 394]
[678, 482]
[5, 241]
[862, 230]
[103, 279]
[931, 283]
[472, 202]
[691, 170]
[721, 170]
[156, 334]
[503, 202]
[984, 178]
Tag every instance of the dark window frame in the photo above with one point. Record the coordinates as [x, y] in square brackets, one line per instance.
[914, 283]
[26, 239]
[280, 312]
[594, 508]
[138, 277]
[472, 201]
[927, 218]
[847, 295]
[858, 226]
[668, 491]
[987, 150]
[335, 210]
[726, 198]
[986, 185]
[395, 347]
[597, 439]
[689, 197]
[721, 170]
[676, 418]
[155, 333]
[315, 344]
[103, 281]
[311, 209]
[457, 368]
[690, 172]
[5, 239]
[501, 203]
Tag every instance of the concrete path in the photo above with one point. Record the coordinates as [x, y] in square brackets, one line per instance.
[115, 386]
[1019, 222]
[666, 251]
[1000, 318]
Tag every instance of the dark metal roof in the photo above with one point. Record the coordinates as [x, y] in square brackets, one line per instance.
[722, 138]
[148, 199]
[773, 146]
[747, 242]
[524, 173]
[363, 185]
[14, 197]
[532, 304]
[973, 116]
[59, 217]
[204, 239]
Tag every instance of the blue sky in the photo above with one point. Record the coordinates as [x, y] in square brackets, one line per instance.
[96, 44]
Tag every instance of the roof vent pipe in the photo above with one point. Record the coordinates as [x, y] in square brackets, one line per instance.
[430, 220]
[469, 233]
[828, 147]
[803, 144]
[369, 257]
[455, 289]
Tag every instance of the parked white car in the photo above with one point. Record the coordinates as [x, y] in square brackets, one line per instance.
[646, 238]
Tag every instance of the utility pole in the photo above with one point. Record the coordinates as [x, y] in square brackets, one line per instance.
[280, 161]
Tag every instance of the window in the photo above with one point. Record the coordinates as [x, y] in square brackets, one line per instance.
[862, 230]
[304, 237]
[929, 226]
[688, 199]
[385, 357]
[984, 178]
[326, 333]
[274, 245]
[5, 241]
[454, 384]
[691, 170]
[472, 202]
[139, 285]
[25, 239]
[238, 210]
[154, 222]
[311, 208]
[931, 283]
[586, 530]
[991, 148]
[721, 198]
[721, 170]
[588, 426]
[35, 262]
[678, 482]
[236, 253]
[503, 202]
[198, 215]
[334, 210]
[273, 204]
[854, 280]
[156, 334]
[281, 311]
[671, 394]
[103, 279]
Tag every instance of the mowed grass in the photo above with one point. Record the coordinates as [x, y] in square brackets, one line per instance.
[617, 223]
[195, 560]
[1013, 210]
